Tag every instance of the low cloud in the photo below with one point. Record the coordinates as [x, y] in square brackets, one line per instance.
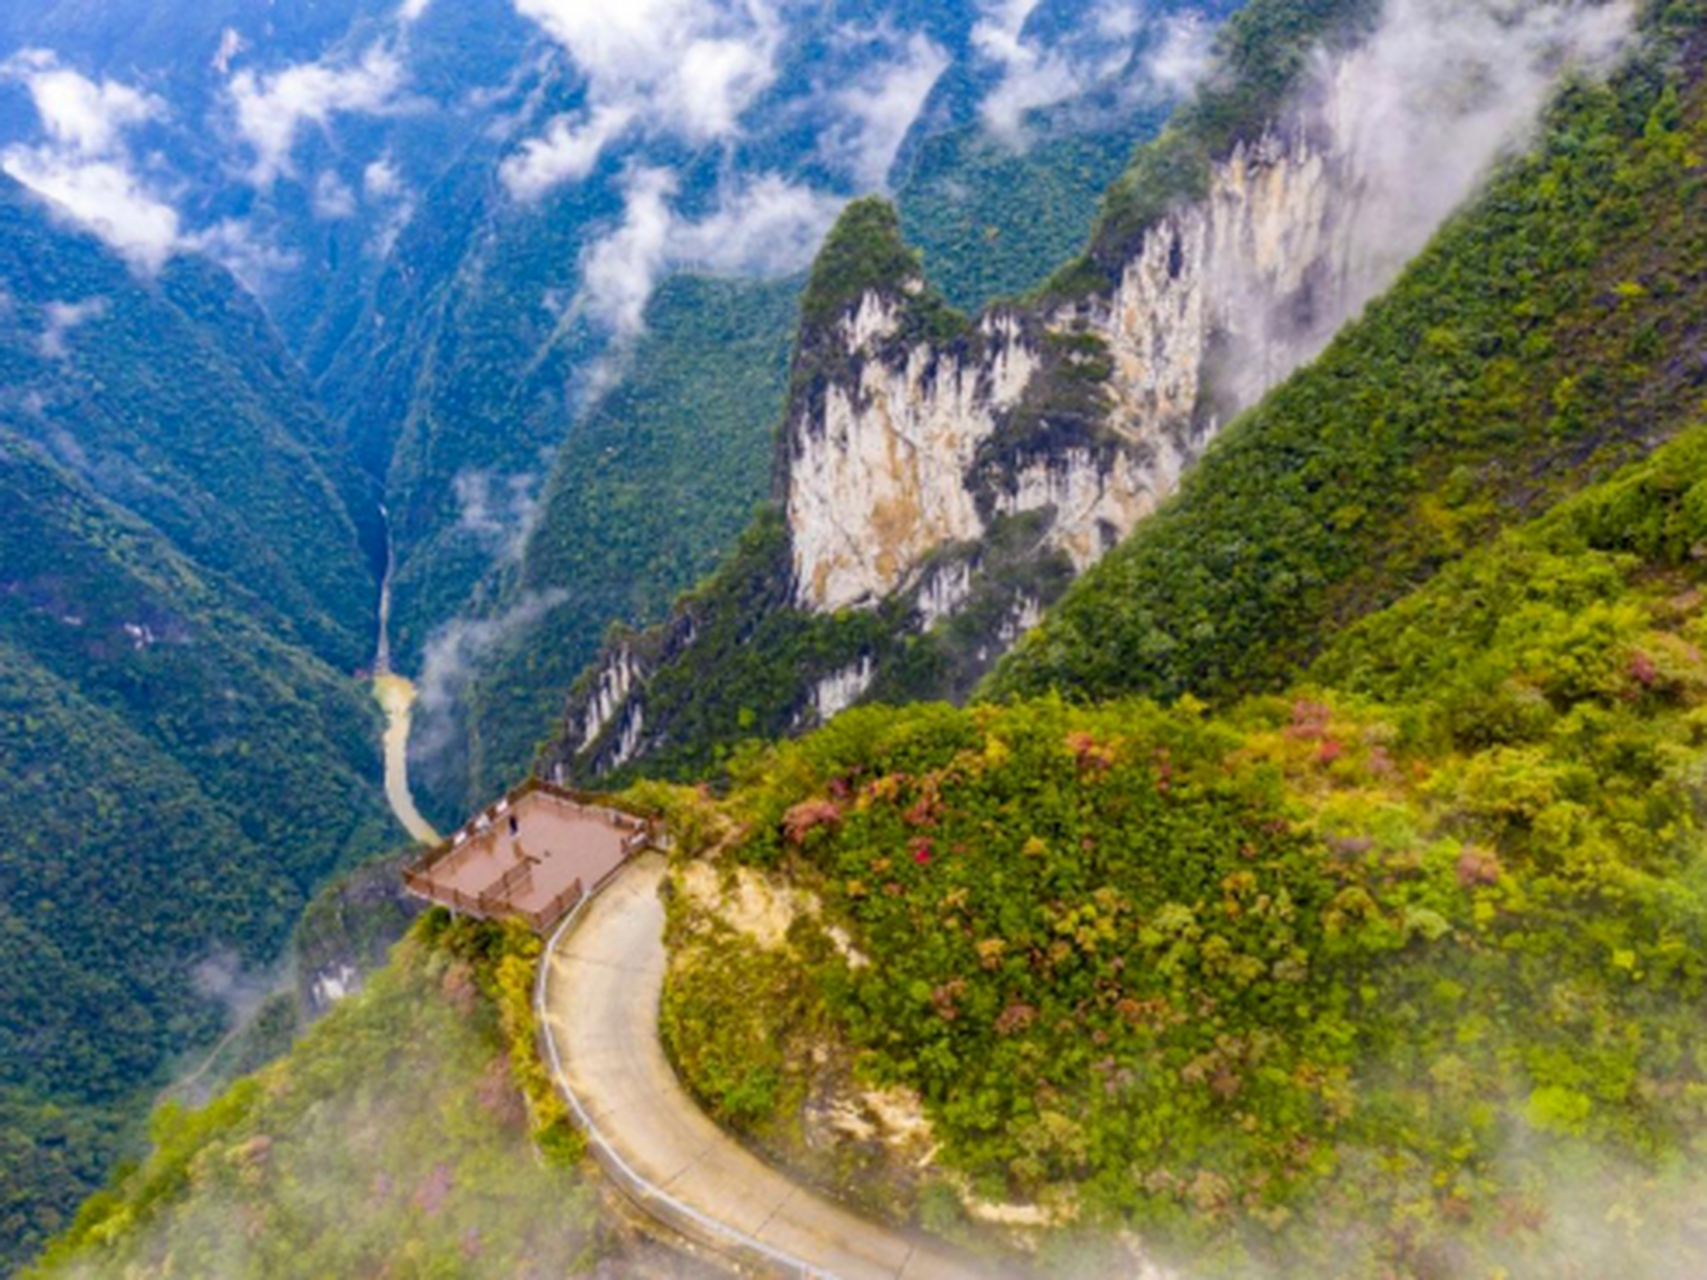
[59, 319]
[1182, 55]
[452, 657]
[499, 511]
[1442, 91]
[234, 244]
[390, 199]
[272, 110]
[383, 180]
[568, 151]
[333, 198]
[874, 113]
[684, 68]
[1143, 56]
[766, 227]
[84, 163]
[1414, 119]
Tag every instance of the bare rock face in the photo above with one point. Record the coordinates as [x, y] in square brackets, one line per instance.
[945, 478]
[883, 465]
[877, 468]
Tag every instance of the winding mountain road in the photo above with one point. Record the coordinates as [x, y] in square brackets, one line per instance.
[600, 988]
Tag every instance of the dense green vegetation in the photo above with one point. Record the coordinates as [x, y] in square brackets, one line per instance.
[175, 399]
[1551, 331]
[644, 496]
[991, 219]
[175, 781]
[1262, 49]
[183, 757]
[394, 1139]
[650, 490]
[1391, 972]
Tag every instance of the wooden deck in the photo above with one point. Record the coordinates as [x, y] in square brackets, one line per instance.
[531, 856]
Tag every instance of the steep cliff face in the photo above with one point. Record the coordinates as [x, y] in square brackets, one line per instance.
[902, 450]
[877, 463]
[917, 443]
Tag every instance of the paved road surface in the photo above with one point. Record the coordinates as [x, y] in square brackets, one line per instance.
[599, 997]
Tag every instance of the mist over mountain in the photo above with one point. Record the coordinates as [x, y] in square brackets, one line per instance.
[1273, 425]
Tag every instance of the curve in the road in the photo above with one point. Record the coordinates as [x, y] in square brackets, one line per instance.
[600, 986]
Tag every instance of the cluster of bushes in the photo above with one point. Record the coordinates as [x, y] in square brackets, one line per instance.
[1396, 963]
[1550, 333]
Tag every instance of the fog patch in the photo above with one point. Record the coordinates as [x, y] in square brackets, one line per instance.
[765, 226]
[872, 115]
[61, 319]
[272, 109]
[84, 163]
[679, 68]
[1410, 123]
[499, 511]
[452, 657]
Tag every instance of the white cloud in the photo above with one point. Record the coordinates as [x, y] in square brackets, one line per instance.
[1031, 77]
[412, 11]
[452, 656]
[1182, 55]
[1097, 52]
[106, 197]
[767, 226]
[384, 189]
[876, 111]
[500, 512]
[234, 245]
[382, 180]
[568, 151]
[79, 113]
[84, 164]
[232, 46]
[332, 197]
[683, 67]
[618, 271]
[60, 318]
[271, 110]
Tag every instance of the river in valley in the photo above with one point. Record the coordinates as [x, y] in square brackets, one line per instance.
[397, 695]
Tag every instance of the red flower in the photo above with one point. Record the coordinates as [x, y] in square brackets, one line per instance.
[1330, 751]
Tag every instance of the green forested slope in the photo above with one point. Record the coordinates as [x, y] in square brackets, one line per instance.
[1554, 329]
[393, 1140]
[1392, 963]
[176, 780]
[1399, 973]
[648, 494]
[644, 496]
[174, 398]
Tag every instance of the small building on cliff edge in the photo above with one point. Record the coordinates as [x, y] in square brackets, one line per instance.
[531, 856]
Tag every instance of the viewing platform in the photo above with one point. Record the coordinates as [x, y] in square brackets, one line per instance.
[531, 856]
